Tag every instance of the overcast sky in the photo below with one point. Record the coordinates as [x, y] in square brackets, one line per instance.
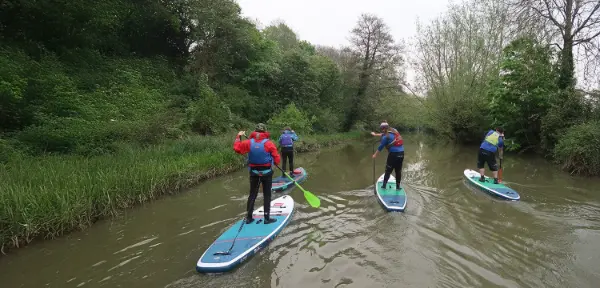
[328, 22]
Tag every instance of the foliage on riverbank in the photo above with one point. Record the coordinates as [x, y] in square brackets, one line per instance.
[488, 63]
[100, 111]
[579, 150]
[44, 197]
[145, 71]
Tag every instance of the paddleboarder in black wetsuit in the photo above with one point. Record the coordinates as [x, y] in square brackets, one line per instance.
[392, 140]
[286, 141]
[262, 153]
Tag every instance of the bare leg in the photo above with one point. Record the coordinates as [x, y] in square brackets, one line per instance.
[495, 174]
[482, 172]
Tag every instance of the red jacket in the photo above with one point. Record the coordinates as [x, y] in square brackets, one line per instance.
[243, 147]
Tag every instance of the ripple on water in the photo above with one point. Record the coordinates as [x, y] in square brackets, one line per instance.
[450, 235]
[143, 242]
[341, 246]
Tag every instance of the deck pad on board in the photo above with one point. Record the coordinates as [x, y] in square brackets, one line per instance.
[251, 238]
[392, 199]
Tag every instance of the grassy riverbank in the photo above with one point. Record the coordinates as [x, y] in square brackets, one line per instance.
[45, 197]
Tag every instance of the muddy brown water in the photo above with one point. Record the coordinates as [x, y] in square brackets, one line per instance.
[449, 236]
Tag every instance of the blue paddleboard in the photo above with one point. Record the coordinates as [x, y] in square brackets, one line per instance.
[251, 238]
[282, 182]
[389, 197]
[499, 190]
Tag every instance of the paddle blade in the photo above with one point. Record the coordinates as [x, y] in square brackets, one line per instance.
[313, 200]
[310, 198]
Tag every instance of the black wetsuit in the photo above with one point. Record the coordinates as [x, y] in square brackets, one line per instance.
[267, 182]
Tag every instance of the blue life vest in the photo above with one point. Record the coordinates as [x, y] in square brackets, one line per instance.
[286, 140]
[258, 155]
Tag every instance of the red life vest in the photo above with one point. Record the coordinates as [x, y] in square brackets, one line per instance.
[397, 141]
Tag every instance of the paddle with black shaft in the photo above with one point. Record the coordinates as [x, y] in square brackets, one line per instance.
[228, 252]
[374, 183]
[375, 144]
[311, 198]
[501, 156]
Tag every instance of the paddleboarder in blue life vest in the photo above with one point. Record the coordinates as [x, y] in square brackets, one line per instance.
[262, 153]
[392, 140]
[487, 152]
[286, 141]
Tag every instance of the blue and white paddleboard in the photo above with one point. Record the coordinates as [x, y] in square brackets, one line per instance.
[499, 190]
[251, 238]
[389, 197]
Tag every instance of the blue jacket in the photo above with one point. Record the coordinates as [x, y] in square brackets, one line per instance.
[294, 138]
[485, 145]
[387, 139]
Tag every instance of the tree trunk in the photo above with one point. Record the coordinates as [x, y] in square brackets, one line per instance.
[566, 78]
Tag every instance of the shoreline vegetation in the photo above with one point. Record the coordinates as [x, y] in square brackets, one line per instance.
[46, 197]
[99, 111]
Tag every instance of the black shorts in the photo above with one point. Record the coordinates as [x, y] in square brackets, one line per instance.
[487, 156]
[394, 161]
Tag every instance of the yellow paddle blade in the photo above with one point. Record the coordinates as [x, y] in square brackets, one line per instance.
[313, 200]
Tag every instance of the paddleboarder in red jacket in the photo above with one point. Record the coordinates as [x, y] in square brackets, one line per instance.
[262, 153]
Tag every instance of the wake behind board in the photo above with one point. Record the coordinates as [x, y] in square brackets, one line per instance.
[390, 198]
[499, 190]
[251, 238]
[282, 182]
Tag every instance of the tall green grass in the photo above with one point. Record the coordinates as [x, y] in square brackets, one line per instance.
[48, 196]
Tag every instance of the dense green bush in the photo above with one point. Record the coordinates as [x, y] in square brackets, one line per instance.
[327, 121]
[9, 151]
[404, 111]
[291, 116]
[136, 77]
[568, 108]
[522, 95]
[578, 150]
[67, 135]
[67, 107]
[462, 118]
[208, 115]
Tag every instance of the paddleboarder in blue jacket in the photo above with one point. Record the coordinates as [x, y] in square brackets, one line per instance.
[487, 152]
[286, 142]
[392, 140]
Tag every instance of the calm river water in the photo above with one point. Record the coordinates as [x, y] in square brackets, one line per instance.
[449, 236]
